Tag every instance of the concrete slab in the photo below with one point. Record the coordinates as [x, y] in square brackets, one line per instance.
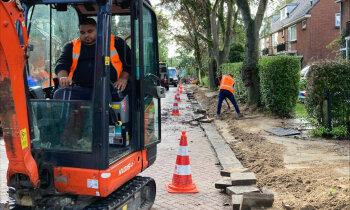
[257, 200]
[227, 172]
[238, 190]
[223, 151]
[236, 201]
[243, 178]
[223, 183]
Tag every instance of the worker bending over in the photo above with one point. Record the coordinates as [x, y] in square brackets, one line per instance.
[226, 91]
[77, 61]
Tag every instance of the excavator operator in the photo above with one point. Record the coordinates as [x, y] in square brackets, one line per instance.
[77, 60]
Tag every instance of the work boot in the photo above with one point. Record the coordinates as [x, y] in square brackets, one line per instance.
[240, 115]
[217, 116]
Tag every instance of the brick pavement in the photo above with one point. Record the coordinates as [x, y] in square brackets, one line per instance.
[3, 171]
[205, 166]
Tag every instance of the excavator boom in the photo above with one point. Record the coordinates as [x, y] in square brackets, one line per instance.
[13, 104]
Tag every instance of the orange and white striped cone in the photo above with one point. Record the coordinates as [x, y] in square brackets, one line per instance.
[182, 178]
[175, 107]
[181, 88]
[178, 97]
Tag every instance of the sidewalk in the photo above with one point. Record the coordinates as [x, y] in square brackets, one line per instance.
[205, 166]
[3, 171]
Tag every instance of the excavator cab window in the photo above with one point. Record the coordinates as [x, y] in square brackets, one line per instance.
[63, 125]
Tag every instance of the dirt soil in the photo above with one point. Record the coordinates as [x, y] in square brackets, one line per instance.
[303, 172]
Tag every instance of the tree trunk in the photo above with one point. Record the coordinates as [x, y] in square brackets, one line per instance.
[250, 71]
[211, 72]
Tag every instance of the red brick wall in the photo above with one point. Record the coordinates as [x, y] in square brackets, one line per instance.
[303, 40]
[345, 12]
[322, 32]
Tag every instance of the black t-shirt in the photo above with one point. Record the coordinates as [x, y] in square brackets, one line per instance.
[84, 73]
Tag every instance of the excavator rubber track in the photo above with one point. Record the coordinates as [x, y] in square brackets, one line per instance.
[138, 193]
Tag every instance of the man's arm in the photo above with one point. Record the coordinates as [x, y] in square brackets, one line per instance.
[63, 65]
[125, 57]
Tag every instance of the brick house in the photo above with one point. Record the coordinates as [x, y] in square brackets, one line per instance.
[304, 28]
[344, 20]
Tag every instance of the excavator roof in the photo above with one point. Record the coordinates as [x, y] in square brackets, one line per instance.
[85, 7]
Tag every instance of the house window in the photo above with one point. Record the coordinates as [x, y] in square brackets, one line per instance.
[275, 39]
[292, 33]
[337, 19]
[303, 24]
[283, 13]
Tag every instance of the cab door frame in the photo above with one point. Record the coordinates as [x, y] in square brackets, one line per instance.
[142, 4]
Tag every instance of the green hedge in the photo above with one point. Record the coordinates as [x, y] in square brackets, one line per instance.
[335, 77]
[235, 69]
[205, 81]
[279, 83]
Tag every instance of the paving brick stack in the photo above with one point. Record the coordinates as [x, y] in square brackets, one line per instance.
[240, 184]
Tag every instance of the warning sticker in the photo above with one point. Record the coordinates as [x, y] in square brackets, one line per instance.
[115, 106]
[91, 183]
[107, 61]
[24, 139]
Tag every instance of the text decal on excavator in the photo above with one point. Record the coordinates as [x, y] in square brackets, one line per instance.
[24, 139]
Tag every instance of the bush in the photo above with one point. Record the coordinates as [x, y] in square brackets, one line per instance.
[279, 83]
[340, 132]
[332, 76]
[241, 94]
[236, 53]
[205, 81]
[302, 85]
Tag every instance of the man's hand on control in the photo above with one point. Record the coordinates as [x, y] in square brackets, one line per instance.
[63, 78]
[122, 81]
[121, 84]
[65, 82]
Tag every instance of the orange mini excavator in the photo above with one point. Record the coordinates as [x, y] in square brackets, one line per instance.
[78, 154]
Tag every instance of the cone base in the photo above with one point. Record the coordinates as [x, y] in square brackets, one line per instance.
[185, 189]
[175, 114]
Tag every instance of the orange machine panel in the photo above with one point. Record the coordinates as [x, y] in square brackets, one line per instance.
[98, 182]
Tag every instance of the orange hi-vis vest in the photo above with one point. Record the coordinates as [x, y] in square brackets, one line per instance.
[46, 78]
[117, 64]
[227, 83]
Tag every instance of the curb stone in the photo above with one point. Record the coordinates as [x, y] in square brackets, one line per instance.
[223, 151]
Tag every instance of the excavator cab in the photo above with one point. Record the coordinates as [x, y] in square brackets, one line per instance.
[85, 151]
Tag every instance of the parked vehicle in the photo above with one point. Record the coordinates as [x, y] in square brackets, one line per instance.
[173, 76]
[164, 74]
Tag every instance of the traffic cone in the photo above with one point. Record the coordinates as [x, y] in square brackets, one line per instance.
[178, 97]
[175, 108]
[181, 88]
[182, 178]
